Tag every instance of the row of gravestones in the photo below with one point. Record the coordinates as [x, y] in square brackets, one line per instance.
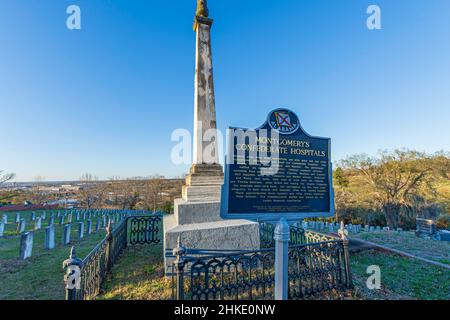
[334, 227]
[80, 215]
[27, 238]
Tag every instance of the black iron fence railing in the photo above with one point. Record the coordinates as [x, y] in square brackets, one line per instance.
[267, 230]
[85, 277]
[316, 263]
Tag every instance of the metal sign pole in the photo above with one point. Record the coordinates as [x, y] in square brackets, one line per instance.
[281, 238]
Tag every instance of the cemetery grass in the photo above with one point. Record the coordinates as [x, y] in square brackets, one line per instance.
[438, 251]
[138, 275]
[41, 276]
[10, 228]
[401, 277]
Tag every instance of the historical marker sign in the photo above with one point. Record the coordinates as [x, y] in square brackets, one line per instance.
[276, 171]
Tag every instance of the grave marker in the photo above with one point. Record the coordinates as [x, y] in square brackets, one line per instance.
[80, 230]
[26, 245]
[38, 223]
[21, 226]
[50, 237]
[66, 234]
[89, 226]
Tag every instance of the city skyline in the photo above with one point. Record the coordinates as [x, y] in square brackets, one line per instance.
[105, 99]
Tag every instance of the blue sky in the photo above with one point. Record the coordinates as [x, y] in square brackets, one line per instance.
[105, 99]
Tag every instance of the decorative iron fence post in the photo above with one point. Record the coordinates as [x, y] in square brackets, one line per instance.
[343, 234]
[179, 263]
[72, 278]
[281, 237]
[109, 240]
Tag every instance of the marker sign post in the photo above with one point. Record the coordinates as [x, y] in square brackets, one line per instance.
[277, 172]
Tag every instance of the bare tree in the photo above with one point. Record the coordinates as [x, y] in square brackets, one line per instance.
[7, 194]
[129, 193]
[90, 193]
[395, 179]
[4, 177]
[154, 188]
[37, 194]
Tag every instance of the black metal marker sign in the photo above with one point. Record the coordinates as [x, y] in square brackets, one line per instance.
[277, 171]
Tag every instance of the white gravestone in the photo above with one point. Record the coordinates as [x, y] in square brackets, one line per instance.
[26, 245]
[50, 237]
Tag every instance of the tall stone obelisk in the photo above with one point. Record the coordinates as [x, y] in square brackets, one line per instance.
[196, 219]
[205, 178]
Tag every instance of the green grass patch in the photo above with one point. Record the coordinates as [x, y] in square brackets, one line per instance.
[41, 276]
[401, 277]
[408, 242]
[138, 275]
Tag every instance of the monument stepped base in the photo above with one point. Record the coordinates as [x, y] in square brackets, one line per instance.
[203, 183]
[214, 234]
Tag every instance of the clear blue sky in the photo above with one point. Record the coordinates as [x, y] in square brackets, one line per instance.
[106, 99]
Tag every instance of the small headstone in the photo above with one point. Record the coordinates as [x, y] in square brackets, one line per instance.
[26, 245]
[399, 230]
[50, 237]
[97, 225]
[2, 229]
[43, 216]
[17, 219]
[371, 229]
[366, 228]
[51, 220]
[378, 228]
[69, 218]
[66, 234]
[38, 223]
[104, 222]
[21, 226]
[89, 226]
[78, 216]
[5, 219]
[385, 229]
[331, 227]
[305, 225]
[61, 219]
[80, 230]
[33, 216]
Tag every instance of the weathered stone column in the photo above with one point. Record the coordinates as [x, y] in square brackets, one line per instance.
[205, 177]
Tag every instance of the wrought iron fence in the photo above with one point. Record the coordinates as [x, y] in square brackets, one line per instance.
[134, 230]
[317, 263]
[267, 229]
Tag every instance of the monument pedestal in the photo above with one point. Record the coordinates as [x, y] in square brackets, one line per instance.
[199, 226]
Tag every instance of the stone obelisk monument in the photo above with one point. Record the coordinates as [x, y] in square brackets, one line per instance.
[196, 219]
[205, 178]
